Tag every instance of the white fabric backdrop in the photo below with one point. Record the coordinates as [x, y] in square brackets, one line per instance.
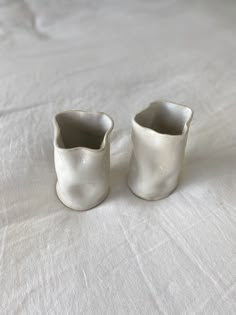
[127, 256]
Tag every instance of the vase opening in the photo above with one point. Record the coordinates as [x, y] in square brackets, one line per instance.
[165, 118]
[82, 129]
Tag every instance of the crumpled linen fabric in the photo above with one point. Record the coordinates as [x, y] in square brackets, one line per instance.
[126, 256]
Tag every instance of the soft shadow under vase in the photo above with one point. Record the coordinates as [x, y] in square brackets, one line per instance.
[159, 135]
[82, 157]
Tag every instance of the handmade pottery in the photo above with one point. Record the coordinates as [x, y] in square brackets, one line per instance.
[159, 135]
[82, 157]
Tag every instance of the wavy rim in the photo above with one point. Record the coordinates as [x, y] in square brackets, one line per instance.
[186, 125]
[57, 131]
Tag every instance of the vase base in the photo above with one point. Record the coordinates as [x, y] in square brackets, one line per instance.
[151, 198]
[69, 204]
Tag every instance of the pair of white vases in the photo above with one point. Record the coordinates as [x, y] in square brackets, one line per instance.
[82, 153]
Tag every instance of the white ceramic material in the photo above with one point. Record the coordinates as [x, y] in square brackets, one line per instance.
[82, 157]
[159, 135]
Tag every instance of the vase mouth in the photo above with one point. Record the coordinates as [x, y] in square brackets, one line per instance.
[165, 118]
[77, 129]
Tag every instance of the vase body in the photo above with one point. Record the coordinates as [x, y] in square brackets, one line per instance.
[82, 157]
[159, 136]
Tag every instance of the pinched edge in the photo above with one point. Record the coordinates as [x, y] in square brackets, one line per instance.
[161, 102]
[57, 131]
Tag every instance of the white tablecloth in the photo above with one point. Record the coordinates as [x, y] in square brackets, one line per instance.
[127, 256]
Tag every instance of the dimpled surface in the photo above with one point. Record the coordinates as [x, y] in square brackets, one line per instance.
[83, 176]
[127, 256]
[156, 161]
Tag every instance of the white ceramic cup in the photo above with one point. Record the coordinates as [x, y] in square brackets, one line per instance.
[82, 157]
[159, 135]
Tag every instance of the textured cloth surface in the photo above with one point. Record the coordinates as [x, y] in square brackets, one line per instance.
[127, 256]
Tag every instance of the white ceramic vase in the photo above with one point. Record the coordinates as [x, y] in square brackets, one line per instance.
[159, 135]
[82, 157]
